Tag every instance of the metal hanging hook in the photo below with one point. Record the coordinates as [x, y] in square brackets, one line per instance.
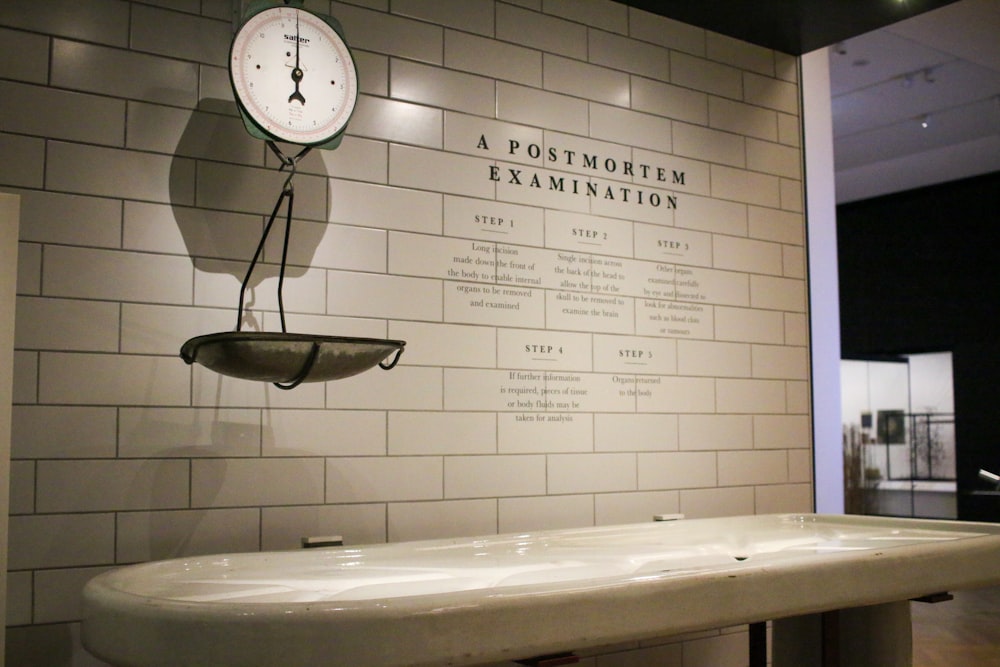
[291, 162]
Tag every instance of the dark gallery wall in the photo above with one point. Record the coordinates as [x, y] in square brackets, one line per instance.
[919, 273]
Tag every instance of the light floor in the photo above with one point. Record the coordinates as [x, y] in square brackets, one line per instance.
[964, 632]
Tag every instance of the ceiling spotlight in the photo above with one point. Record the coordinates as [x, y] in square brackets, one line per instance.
[929, 75]
[925, 121]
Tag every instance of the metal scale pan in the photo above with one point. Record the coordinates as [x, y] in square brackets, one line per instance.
[282, 358]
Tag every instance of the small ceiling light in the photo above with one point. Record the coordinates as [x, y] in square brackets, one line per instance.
[929, 75]
[907, 81]
[925, 121]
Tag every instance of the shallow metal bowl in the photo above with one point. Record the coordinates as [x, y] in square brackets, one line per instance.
[289, 357]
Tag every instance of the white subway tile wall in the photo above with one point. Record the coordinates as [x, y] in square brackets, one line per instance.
[23, 56]
[585, 220]
[542, 32]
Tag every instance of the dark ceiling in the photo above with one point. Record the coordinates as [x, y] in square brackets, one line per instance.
[789, 26]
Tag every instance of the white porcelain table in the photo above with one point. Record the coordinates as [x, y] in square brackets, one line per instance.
[493, 598]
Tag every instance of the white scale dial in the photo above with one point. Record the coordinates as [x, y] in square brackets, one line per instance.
[294, 75]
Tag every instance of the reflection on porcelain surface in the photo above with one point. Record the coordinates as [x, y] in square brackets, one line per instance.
[544, 560]
[548, 591]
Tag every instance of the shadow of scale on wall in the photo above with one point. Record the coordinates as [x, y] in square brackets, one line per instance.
[294, 81]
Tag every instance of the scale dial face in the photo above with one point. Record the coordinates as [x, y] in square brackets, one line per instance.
[293, 75]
